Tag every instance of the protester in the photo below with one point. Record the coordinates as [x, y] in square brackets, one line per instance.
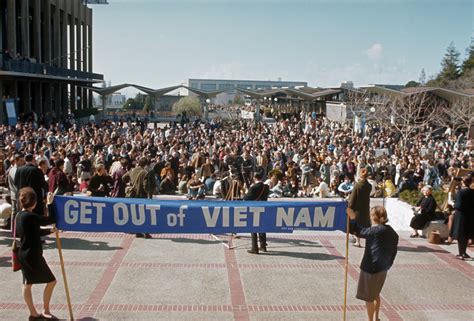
[424, 211]
[379, 255]
[463, 225]
[34, 268]
[29, 175]
[359, 202]
[258, 192]
[100, 184]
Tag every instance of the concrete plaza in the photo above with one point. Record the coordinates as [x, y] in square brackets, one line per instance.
[114, 276]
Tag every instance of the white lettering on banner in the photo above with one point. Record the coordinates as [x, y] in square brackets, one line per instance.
[256, 214]
[137, 212]
[211, 219]
[240, 216]
[71, 212]
[282, 215]
[82, 212]
[320, 219]
[175, 219]
[120, 208]
[324, 220]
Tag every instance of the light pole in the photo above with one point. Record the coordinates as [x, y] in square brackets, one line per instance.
[206, 109]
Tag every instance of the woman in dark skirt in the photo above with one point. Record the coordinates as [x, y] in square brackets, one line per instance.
[379, 254]
[463, 225]
[426, 207]
[33, 265]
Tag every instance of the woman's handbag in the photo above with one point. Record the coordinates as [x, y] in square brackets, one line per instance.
[16, 265]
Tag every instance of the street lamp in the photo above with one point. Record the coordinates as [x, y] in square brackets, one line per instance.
[206, 109]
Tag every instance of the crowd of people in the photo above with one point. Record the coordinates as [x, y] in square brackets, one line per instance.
[300, 155]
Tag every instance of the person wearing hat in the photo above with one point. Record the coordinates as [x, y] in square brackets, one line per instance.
[29, 175]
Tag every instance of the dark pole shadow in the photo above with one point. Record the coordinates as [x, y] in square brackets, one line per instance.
[420, 249]
[301, 255]
[81, 244]
[186, 240]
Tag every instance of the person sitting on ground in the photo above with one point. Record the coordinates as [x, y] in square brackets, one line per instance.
[424, 211]
[183, 184]
[345, 188]
[209, 183]
[196, 189]
[167, 186]
[322, 190]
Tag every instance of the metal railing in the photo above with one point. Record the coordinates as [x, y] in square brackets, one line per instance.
[29, 67]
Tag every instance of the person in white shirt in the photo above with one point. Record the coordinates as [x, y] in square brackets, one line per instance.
[322, 190]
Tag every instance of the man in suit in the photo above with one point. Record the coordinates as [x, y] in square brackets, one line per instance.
[29, 175]
[359, 202]
[138, 178]
[258, 192]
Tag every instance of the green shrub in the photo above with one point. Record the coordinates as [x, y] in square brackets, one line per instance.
[411, 197]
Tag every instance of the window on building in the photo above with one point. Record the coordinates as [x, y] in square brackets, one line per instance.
[208, 87]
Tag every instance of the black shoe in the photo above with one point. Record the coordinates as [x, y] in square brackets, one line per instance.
[147, 236]
[139, 235]
[252, 251]
[465, 256]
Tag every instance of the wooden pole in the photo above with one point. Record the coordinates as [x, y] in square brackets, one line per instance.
[346, 268]
[63, 271]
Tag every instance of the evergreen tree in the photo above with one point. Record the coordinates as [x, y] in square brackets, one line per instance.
[422, 79]
[468, 64]
[450, 65]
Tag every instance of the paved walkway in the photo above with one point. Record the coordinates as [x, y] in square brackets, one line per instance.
[194, 277]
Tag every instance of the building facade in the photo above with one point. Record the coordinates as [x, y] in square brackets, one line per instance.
[231, 85]
[46, 56]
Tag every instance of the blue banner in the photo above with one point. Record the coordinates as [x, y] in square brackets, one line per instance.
[97, 214]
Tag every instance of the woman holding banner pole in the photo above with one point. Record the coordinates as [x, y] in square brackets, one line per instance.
[34, 268]
[379, 255]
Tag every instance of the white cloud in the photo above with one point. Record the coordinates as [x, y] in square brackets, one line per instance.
[375, 51]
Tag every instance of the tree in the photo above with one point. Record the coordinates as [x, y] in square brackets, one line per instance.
[412, 83]
[422, 79]
[238, 100]
[468, 64]
[459, 114]
[148, 104]
[407, 113]
[450, 64]
[190, 105]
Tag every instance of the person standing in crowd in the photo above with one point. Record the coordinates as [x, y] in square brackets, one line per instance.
[118, 189]
[18, 161]
[258, 192]
[167, 186]
[34, 268]
[29, 175]
[463, 225]
[379, 255]
[100, 183]
[137, 180]
[359, 202]
[58, 182]
[424, 211]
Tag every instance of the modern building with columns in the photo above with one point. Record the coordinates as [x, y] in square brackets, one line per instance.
[46, 56]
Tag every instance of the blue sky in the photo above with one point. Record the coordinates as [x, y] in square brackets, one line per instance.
[164, 42]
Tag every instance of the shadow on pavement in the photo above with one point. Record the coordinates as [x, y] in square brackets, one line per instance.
[185, 240]
[301, 255]
[88, 319]
[81, 244]
[420, 249]
[5, 261]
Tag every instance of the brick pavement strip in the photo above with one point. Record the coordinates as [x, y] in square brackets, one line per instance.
[239, 307]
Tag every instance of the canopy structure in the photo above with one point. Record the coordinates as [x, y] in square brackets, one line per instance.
[447, 94]
[205, 94]
[302, 94]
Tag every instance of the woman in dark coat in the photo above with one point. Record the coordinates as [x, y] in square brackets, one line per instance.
[426, 207]
[463, 225]
[379, 255]
[34, 268]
